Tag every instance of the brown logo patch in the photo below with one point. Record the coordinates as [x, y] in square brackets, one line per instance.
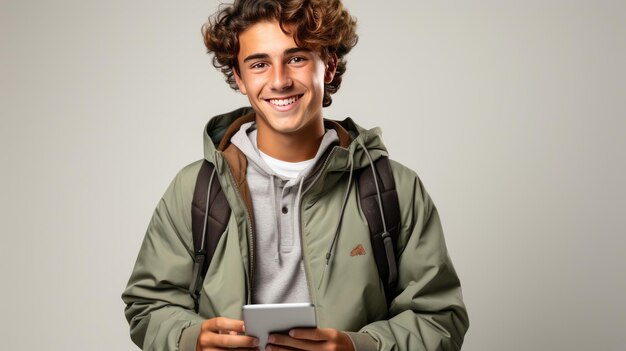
[359, 250]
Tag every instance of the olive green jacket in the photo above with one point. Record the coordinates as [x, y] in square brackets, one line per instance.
[427, 312]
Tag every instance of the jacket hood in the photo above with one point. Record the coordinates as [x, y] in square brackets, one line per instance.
[352, 139]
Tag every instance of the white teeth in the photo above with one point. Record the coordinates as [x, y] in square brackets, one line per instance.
[284, 102]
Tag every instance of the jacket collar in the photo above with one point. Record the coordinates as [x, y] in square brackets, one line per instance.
[221, 128]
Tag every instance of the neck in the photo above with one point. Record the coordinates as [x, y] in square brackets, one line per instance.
[297, 146]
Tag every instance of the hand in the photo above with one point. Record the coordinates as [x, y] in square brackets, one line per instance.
[310, 339]
[219, 333]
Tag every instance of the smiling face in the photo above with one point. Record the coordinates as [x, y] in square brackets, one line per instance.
[284, 82]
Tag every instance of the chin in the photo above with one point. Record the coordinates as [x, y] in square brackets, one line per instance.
[286, 128]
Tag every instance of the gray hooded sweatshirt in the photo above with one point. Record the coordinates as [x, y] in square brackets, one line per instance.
[280, 277]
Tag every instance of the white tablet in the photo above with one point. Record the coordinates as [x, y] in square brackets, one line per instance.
[262, 319]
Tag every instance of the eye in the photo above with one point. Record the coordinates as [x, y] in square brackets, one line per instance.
[258, 66]
[297, 59]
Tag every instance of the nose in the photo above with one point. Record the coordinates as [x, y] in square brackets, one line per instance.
[281, 79]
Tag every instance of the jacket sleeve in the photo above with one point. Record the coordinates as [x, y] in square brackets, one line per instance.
[428, 312]
[158, 304]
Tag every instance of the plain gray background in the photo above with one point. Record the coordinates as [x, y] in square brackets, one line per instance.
[512, 112]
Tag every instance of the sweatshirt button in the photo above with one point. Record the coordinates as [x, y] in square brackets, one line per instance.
[285, 210]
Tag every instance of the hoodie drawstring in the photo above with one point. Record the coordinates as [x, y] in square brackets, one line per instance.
[338, 225]
[386, 237]
[387, 242]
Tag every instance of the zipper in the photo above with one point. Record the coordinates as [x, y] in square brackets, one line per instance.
[250, 236]
[302, 240]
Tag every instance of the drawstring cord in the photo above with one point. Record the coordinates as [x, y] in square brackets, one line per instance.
[338, 225]
[387, 242]
[378, 197]
[386, 236]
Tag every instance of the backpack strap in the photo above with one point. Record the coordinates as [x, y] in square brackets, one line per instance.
[209, 217]
[383, 242]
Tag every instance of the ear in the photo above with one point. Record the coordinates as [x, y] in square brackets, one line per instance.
[239, 81]
[331, 68]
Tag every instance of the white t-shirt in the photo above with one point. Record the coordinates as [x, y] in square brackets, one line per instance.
[283, 168]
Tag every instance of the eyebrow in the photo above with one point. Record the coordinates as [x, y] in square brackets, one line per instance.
[265, 56]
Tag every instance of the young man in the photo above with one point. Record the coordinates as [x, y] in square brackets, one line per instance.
[296, 232]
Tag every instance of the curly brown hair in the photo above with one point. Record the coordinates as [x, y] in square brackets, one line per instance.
[323, 26]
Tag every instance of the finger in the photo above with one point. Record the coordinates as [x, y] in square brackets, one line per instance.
[315, 334]
[277, 348]
[227, 341]
[281, 340]
[223, 324]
